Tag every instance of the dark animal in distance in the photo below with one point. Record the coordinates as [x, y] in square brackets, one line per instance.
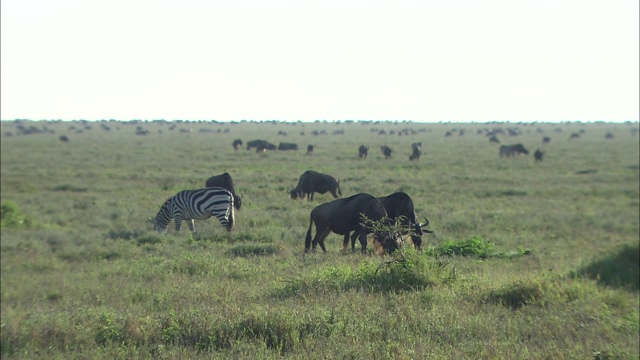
[512, 150]
[386, 151]
[310, 150]
[260, 145]
[343, 216]
[537, 155]
[198, 204]
[314, 182]
[237, 143]
[287, 146]
[64, 138]
[546, 140]
[494, 139]
[416, 151]
[399, 205]
[363, 151]
[226, 182]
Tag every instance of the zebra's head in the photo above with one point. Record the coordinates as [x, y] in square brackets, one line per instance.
[157, 226]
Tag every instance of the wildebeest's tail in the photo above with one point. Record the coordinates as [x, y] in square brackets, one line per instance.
[307, 241]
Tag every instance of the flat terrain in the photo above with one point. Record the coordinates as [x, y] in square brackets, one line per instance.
[535, 260]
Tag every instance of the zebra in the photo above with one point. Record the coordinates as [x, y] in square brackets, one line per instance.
[198, 204]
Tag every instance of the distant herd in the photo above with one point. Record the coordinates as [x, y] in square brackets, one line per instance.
[344, 216]
[363, 151]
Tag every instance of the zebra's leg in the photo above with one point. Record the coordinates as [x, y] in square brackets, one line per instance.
[178, 220]
[191, 227]
[230, 218]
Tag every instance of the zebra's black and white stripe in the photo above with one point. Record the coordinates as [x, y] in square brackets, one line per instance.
[198, 204]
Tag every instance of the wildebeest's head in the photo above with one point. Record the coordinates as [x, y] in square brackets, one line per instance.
[295, 194]
[419, 230]
[521, 149]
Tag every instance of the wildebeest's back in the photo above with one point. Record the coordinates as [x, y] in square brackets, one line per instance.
[399, 204]
[223, 181]
[321, 183]
[344, 215]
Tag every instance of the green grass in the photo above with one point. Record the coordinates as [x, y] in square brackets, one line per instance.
[527, 260]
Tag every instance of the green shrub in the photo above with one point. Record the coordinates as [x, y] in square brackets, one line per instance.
[10, 215]
[469, 247]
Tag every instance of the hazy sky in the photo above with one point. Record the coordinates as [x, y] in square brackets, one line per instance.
[447, 60]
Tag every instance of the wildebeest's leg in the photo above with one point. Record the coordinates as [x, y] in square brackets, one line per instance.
[345, 242]
[354, 237]
[311, 198]
[321, 234]
[363, 240]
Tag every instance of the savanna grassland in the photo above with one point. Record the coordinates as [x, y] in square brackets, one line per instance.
[527, 261]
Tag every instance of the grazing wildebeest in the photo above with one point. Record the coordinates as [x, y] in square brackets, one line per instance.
[538, 155]
[399, 205]
[309, 150]
[575, 136]
[287, 146]
[64, 138]
[494, 139]
[226, 182]
[343, 216]
[267, 146]
[257, 144]
[237, 143]
[512, 150]
[314, 182]
[363, 151]
[546, 140]
[198, 204]
[386, 151]
[260, 145]
[416, 151]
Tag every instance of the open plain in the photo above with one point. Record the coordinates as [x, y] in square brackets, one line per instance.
[528, 260]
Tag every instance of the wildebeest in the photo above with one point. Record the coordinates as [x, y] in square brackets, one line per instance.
[363, 151]
[512, 150]
[386, 151]
[309, 150]
[226, 182]
[260, 145]
[314, 182]
[343, 216]
[237, 143]
[400, 206]
[287, 146]
[416, 151]
[546, 140]
[494, 139]
[538, 155]
[64, 138]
